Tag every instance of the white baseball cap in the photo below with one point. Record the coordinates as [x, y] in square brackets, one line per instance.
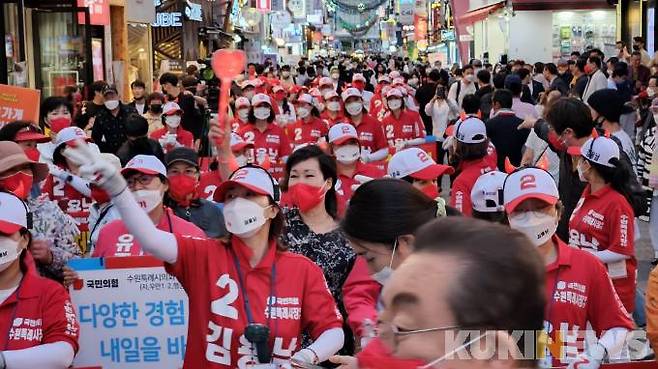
[242, 102]
[330, 95]
[305, 98]
[470, 131]
[417, 164]
[315, 92]
[486, 195]
[70, 134]
[398, 81]
[254, 178]
[341, 133]
[171, 108]
[358, 77]
[147, 164]
[326, 81]
[383, 78]
[350, 92]
[13, 214]
[237, 143]
[600, 150]
[260, 98]
[393, 92]
[529, 183]
[250, 83]
[278, 88]
[394, 74]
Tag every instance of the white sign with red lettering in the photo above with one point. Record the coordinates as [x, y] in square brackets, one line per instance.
[264, 6]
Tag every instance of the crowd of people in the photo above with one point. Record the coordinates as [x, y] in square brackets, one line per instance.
[391, 204]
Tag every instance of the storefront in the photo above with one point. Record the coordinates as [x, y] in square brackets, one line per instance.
[535, 30]
[638, 18]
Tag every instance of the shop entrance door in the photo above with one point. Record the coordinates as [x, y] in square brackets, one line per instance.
[62, 49]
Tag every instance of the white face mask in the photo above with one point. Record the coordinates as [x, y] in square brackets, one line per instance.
[325, 91]
[243, 114]
[581, 172]
[243, 217]
[335, 76]
[303, 112]
[538, 226]
[335, 106]
[248, 94]
[173, 121]
[8, 252]
[451, 354]
[394, 104]
[112, 104]
[285, 74]
[354, 108]
[347, 154]
[148, 199]
[470, 78]
[241, 160]
[262, 113]
[413, 82]
[385, 273]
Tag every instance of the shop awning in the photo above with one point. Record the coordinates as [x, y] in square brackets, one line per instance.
[479, 14]
[560, 4]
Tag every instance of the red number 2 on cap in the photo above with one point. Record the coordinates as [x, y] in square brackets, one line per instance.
[422, 155]
[528, 181]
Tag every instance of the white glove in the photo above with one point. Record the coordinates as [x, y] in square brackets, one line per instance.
[360, 180]
[58, 172]
[171, 139]
[94, 168]
[400, 145]
[305, 356]
[365, 155]
[448, 142]
[591, 359]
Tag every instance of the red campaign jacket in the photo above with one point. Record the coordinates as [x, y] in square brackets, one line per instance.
[309, 132]
[460, 196]
[408, 127]
[37, 313]
[207, 271]
[344, 184]
[329, 121]
[360, 296]
[183, 137]
[208, 184]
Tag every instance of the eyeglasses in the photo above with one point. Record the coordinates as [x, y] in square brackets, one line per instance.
[143, 180]
[389, 328]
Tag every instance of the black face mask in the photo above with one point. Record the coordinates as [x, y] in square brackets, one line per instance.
[156, 108]
[636, 47]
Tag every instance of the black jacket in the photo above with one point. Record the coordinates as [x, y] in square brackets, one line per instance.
[485, 94]
[192, 119]
[203, 214]
[559, 84]
[532, 97]
[109, 132]
[139, 146]
[507, 138]
[424, 94]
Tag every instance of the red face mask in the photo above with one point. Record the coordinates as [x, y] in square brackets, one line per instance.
[180, 188]
[32, 154]
[359, 85]
[19, 183]
[380, 357]
[99, 195]
[59, 124]
[280, 96]
[305, 196]
[430, 190]
[588, 69]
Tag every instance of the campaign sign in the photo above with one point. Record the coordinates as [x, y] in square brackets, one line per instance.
[132, 314]
[18, 103]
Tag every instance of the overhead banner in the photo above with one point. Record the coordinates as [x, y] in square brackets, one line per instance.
[18, 103]
[132, 313]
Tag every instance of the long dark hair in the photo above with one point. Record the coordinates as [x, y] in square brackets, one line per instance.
[617, 177]
[327, 167]
[384, 209]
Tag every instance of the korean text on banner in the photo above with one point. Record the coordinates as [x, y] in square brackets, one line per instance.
[18, 103]
[132, 314]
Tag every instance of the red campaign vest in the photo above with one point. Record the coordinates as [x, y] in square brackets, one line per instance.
[307, 133]
[408, 127]
[72, 203]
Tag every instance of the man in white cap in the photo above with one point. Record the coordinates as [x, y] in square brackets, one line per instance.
[147, 180]
[487, 199]
[578, 290]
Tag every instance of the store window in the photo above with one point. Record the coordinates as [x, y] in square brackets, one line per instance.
[139, 51]
[580, 30]
[60, 47]
[16, 68]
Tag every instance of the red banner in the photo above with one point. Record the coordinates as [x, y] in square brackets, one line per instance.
[99, 12]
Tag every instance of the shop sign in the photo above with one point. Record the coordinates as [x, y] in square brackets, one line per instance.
[298, 9]
[277, 5]
[99, 12]
[280, 19]
[18, 103]
[465, 38]
[407, 8]
[193, 11]
[141, 11]
[447, 35]
[173, 19]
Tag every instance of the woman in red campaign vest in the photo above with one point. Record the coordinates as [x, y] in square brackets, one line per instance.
[403, 127]
[603, 220]
[371, 134]
[147, 180]
[269, 140]
[250, 300]
[578, 291]
[309, 128]
[470, 152]
[241, 116]
[36, 315]
[63, 186]
[332, 113]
